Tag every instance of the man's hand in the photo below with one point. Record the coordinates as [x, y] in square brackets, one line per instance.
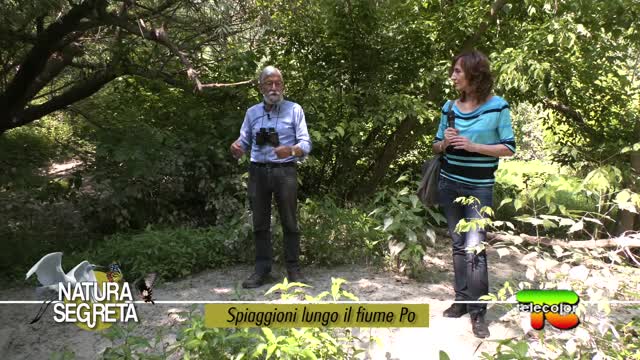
[236, 150]
[283, 151]
[462, 143]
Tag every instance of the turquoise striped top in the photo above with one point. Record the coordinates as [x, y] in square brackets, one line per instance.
[489, 124]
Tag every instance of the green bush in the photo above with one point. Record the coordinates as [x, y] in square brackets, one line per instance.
[35, 223]
[604, 332]
[28, 150]
[408, 225]
[195, 341]
[171, 253]
[198, 342]
[332, 235]
[526, 190]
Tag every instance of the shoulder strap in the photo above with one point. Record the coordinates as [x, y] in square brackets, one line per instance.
[451, 117]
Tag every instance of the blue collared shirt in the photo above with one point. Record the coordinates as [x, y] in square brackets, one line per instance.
[288, 120]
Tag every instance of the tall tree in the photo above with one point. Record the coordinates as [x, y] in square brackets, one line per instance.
[373, 75]
[54, 52]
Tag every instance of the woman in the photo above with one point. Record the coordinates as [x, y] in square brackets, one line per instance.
[482, 133]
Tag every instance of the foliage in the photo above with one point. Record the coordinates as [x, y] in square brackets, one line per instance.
[59, 53]
[564, 57]
[528, 128]
[602, 332]
[295, 290]
[402, 216]
[333, 235]
[125, 344]
[374, 88]
[304, 343]
[551, 202]
[178, 175]
[473, 224]
[172, 253]
[195, 341]
[37, 222]
[27, 152]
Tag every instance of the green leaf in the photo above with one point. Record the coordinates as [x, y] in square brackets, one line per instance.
[487, 210]
[411, 235]
[634, 147]
[576, 227]
[521, 349]
[349, 295]
[414, 200]
[596, 221]
[548, 224]
[270, 349]
[517, 204]
[503, 252]
[269, 335]
[443, 356]
[566, 222]
[388, 221]
[431, 236]
[505, 201]
[623, 196]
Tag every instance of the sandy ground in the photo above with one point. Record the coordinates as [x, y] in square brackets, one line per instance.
[19, 340]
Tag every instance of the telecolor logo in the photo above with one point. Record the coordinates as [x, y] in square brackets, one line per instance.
[557, 306]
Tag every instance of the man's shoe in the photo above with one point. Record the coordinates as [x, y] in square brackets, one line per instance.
[455, 311]
[256, 280]
[479, 326]
[296, 276]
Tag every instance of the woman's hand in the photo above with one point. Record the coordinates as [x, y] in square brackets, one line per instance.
[462, 143]
[449, 134]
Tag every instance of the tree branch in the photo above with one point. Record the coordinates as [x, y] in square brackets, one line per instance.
[161, 36]
[14, 98]
[218, 85]
[158, 35]
[76, 93]
[392, 147]
[56, 64]
[569, 113]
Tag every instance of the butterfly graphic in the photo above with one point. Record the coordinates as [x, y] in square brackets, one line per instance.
[114, 273]
[145, 286]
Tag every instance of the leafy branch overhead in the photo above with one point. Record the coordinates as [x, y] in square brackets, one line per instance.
[73, 48]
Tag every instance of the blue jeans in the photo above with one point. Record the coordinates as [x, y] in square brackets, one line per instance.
[265, 183]
[470, 269]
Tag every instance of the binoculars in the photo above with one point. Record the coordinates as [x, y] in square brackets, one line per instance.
[269, 137]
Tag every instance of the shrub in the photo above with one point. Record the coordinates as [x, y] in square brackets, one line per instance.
[332, 235]
[171, 253]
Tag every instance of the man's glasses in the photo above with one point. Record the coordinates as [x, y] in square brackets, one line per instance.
[269, 84]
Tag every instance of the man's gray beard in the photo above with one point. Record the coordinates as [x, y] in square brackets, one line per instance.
[269, 99]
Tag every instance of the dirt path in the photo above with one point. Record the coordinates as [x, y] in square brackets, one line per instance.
[19, 340]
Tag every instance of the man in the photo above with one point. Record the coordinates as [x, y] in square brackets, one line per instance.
[276, 132]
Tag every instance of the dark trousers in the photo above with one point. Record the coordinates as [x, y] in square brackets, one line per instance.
[264, 184]
[470, 268]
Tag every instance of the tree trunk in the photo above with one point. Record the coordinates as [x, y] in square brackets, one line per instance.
[627, 220]
[400, 138]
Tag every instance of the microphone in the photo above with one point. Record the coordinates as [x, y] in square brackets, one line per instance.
[451, 120]
[268, 117]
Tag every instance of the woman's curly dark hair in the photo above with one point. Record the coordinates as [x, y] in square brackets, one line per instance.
[477, 70]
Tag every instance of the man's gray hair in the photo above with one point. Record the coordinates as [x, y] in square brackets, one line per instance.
[268, 71]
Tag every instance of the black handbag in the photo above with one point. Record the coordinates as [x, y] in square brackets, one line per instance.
[428, 189]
